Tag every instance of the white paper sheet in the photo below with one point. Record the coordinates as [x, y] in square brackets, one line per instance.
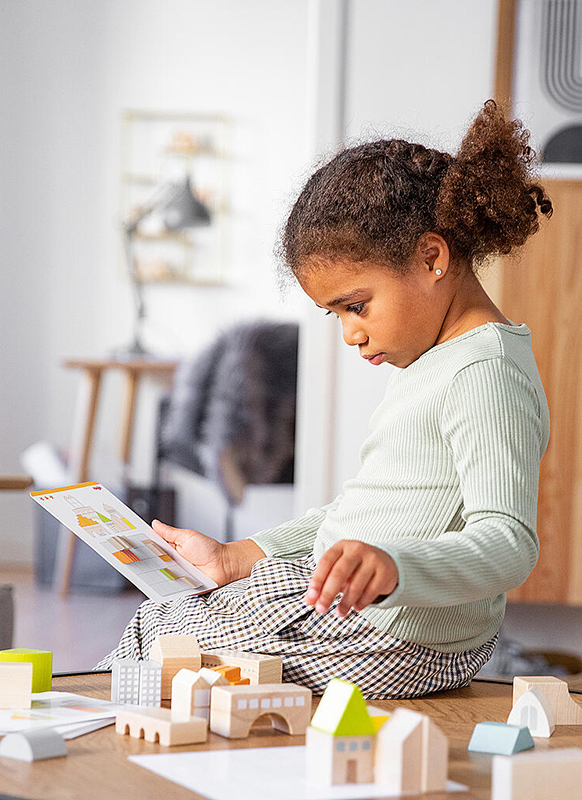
[57, 710]
[259, 773]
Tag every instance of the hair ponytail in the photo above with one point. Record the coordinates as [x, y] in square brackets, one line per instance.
[373, 201]
[488, 203]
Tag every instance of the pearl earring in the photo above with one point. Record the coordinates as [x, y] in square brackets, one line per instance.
[438, 272]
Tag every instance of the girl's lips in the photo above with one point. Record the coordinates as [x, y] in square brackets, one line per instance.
[376, 360]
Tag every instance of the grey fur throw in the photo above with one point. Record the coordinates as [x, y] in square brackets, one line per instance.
[232, 409]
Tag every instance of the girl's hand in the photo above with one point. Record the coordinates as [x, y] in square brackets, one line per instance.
[359, 570]
[223, 563]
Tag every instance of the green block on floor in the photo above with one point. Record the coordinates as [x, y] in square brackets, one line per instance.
[500, 738]
[42, 665]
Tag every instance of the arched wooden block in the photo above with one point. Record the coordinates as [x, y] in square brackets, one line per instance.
[533, 710]
[565, 710]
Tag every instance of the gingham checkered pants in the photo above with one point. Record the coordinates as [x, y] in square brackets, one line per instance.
[265, 613]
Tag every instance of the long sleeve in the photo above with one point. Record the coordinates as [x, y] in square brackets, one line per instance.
[491, 423]
[295, 538]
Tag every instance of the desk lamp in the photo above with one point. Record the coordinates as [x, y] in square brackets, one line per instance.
[180, 209]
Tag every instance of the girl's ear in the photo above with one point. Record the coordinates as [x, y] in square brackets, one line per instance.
[434, 253]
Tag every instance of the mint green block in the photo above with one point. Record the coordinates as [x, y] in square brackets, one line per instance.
[500, 738]
[42, 665]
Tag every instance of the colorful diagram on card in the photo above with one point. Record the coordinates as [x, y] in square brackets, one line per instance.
[123, 539]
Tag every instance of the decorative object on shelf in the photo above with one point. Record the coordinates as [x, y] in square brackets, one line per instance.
[183, 235]
[174, 202]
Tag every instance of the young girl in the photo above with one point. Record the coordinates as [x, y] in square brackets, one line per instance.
[399, 584]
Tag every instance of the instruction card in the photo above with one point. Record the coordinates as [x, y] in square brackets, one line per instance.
[124, 540]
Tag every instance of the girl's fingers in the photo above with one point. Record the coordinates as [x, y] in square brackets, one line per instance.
[370, 593]
[320, 574]
[165, 531]
[355, 590]
[335, 582]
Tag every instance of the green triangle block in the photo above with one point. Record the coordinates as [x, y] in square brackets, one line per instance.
[102, 518]
[342, 711]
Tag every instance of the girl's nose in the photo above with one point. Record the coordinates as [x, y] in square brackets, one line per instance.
[353, 334]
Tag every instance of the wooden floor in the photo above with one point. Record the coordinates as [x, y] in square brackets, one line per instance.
[79, 629]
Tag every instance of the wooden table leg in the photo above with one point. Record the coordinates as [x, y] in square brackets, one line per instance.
[83, 429]
[131, 385]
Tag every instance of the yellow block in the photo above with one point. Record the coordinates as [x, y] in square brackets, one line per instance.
[42, 665]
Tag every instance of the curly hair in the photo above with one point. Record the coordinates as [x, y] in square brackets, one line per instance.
[373, 201]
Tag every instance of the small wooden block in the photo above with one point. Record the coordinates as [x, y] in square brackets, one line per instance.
[175, 652]
[213, 678]
[190, 696]
[538, 775]
[329, 758]
[258, 667]
[565, 710]
[533, 710]
[155, 724]
[33, 745]
[411, 754]
[232, 674]
[233, 709]
[42, 665]
[15, 684]
[500, 738]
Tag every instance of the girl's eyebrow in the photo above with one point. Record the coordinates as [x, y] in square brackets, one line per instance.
[344, 298]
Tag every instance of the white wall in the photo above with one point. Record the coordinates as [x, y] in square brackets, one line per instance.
[70, 67]
[415, 70]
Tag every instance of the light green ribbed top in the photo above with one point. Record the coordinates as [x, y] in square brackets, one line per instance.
[448, 486]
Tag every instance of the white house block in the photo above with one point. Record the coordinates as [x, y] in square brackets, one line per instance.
[150, 684]
[125, 673]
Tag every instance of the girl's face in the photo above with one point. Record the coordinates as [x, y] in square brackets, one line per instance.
[390, 317]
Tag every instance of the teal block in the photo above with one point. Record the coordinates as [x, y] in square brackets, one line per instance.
[500, 738]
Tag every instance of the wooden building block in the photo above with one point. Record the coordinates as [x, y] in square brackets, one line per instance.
[42, 665]
[125, 681]
[150, 683]
[213, 678]
[175, 652]
[411, 754]
[258, 667]
[33, 745]
[232, 674]
[341, 740]
[15, 684]
[335, 760]
[136, 683]
[190, 696]
[342, 710]
[156, 725]
[500, 738]
[233, 709]
[533, 709]
[435, 758]
[538, 775]
[565, 709]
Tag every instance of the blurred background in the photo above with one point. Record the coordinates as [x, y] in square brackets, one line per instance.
[149, 153]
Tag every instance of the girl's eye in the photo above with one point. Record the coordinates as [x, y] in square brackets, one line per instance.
[357, 308]
[327, 313]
